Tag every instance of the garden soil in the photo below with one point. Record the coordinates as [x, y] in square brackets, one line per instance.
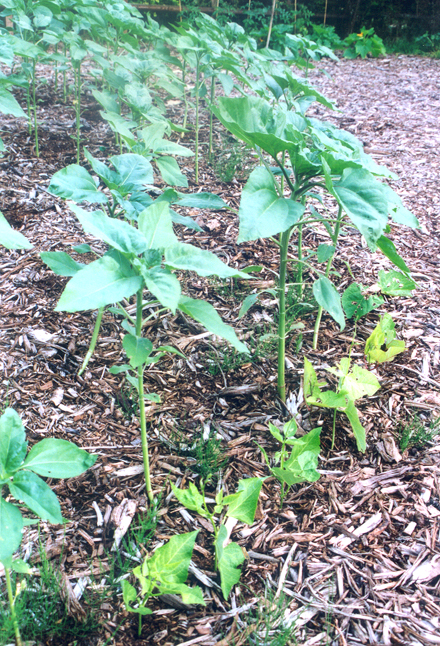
[356, 554]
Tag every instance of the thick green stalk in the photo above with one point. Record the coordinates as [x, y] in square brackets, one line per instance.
[77, 75]
[93, 341]
[185, 99]
[65, 77]
[34, 100]
[284, 246]
[327, 272]
[18, 641]
[196, 161]
[142, 417]
[211, 116]
[283, 484]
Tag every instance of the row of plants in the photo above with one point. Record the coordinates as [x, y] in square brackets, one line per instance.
[311, 176]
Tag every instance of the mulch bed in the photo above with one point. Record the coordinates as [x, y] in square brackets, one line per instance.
[357, 553]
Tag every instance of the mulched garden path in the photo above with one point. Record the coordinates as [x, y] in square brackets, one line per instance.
[357, 553]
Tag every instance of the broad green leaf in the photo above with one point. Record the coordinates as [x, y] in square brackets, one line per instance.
[355, 304]
[398, 212]
[382, 344]
[156, 225]
[389, 250]
[109, 177]
[61, 263]
[363, 199]
[229, 558]
[11, 239]
[276, 433]
[118, 234]
[262, 212]
[201, 201]
[129, 595]
[325, 252]
[9, 104]
[248, 302]
[170, 562]
[317, 397]
[360, 382]
[164, 286]
[137, 348]
[102, 282]
[53, 458]
[134, 170]
[245, 505]
[328, 298]
[203, 262]
[393, 283]
[35, 494]
[358, 429]
[170, 171]
[190, 596]
[137, 96]
[13, 443]
[11, 525]
[205, 314]
[75, 183]
[190, 498]
[20, 566]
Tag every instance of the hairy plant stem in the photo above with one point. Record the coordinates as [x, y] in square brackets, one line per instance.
[284, 246]
[327, 272]
[283, 484]
[34, 101]
[185, 100]
[77, 76]
[196, 160]
[142, 418]
[93, 341]
[18, 641]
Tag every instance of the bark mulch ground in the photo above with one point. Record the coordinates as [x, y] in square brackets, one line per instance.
[357, 553]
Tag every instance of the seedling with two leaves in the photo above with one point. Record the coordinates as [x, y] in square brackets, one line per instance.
[165, 572]
[241, 506]
[382, 345]
[301, 465]
[50, 458]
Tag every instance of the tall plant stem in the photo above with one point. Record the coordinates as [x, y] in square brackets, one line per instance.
[185, 99]
[65, 76]
[272, 13]
[34, 101]
[284, 246]
[335, 410]
[299, 277]
[327, 272]
[12, 607]
[142, 418]
[93, 341]
[196, 161]
[211, 116]
[77, 75]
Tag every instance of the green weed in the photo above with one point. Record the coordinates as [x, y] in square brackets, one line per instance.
[231, 159]
[266, 625]
[416, 432]
[206, 451]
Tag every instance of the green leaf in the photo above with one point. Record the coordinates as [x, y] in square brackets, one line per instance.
[102, 282]
[229, 558]
[325, 252]
[389, 250]
[75, 183]
[363, 199]
[61, 263]
[170, 171]
[190, 498]
[156, 225]
[203, 262]
[382, 344]
[10, 238]
[137, 348]
[358, 429]
[393, 283]
[398, 212]
[118, 234]
[11, 525]
[205, 314]
[135, 172]
[164, 286]
[328, 298]
[360, 382]
[129, 595]
[248, 302]
[13, 443]
[245, 505]
[53, 458]
[201, 201]
[355, 304]
[20, 566]
[262, 212]
[36, 495]
[9, 104]
[170, 562]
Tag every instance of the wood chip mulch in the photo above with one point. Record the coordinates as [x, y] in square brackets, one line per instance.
[357, 553]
